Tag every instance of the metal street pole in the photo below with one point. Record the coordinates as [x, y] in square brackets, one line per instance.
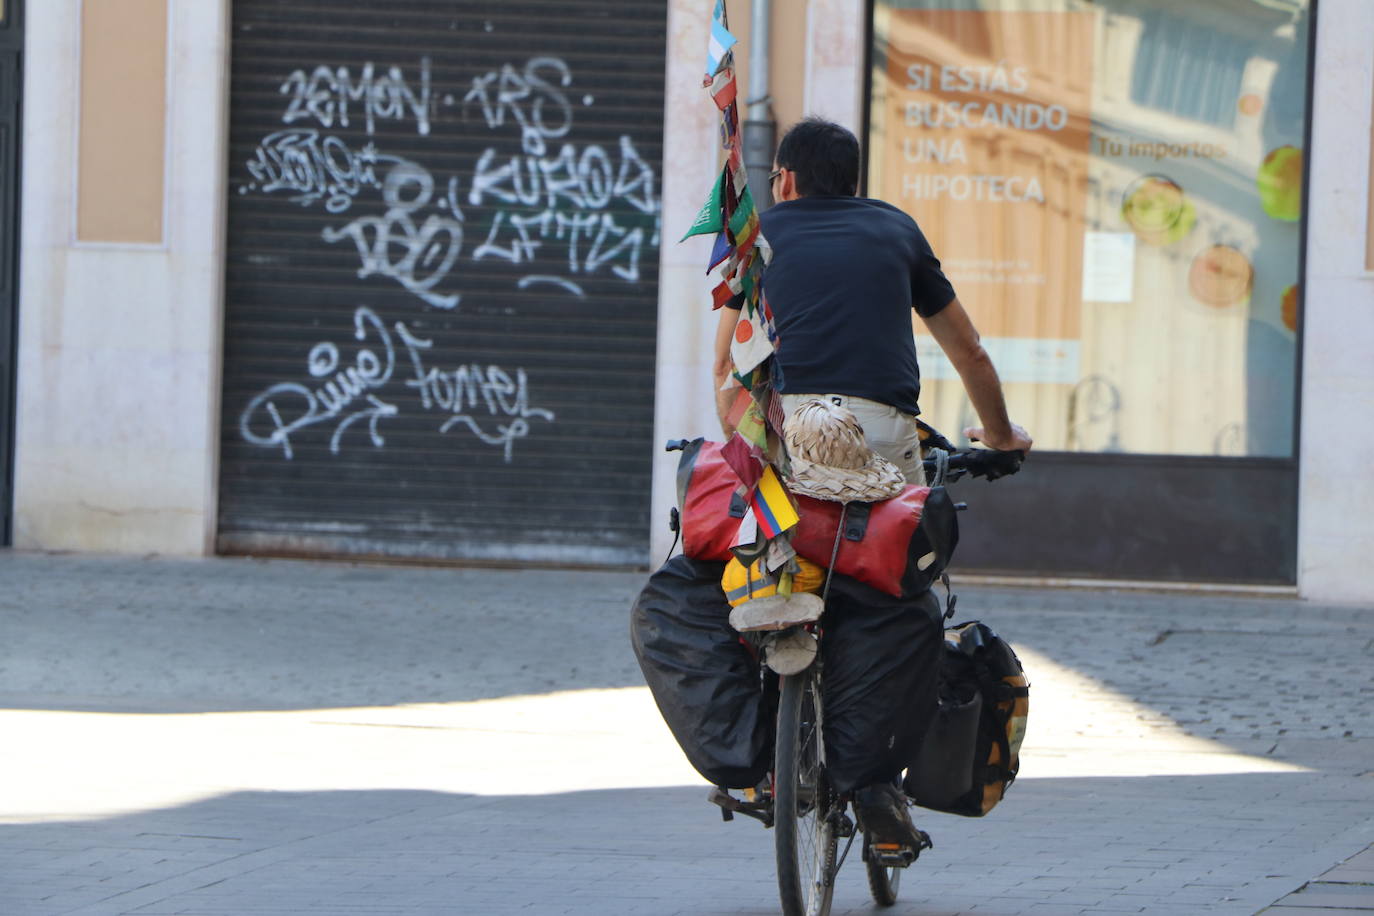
[760, 130]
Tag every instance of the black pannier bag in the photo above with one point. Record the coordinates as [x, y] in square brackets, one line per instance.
[971, 753]
[881, 654]
[704, 680]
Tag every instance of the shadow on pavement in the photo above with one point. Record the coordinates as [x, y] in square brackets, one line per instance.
[1178, 844]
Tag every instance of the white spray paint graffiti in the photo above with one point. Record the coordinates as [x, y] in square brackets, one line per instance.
[575, 197]
[468, 387]
[427, 250]
[572, 193]
[324, 96]
[563, 197]
[288, 407]
[527, 98]
[592, 207]
[314, 168]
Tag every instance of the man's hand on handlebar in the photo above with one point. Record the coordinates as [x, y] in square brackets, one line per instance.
[975, 462]
[1014, 439]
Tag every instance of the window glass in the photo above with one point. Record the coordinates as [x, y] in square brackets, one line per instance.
[1114, 189]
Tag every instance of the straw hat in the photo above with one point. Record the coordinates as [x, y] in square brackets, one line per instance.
[831, 459]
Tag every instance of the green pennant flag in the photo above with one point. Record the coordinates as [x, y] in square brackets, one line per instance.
[711, 216]
[744, 212]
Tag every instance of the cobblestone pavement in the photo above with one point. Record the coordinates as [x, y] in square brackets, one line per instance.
[238, 736]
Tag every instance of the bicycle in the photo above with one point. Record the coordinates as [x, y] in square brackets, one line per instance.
[809, 819]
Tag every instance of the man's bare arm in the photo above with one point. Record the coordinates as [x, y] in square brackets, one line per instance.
[953, 330]
[722, 365]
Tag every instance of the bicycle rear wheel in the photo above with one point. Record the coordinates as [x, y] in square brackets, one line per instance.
[882, 880]
[804, 832]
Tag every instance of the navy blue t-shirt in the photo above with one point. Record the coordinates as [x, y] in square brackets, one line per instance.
[845, 275]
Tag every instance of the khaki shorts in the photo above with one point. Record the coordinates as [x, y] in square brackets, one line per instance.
[890, 432]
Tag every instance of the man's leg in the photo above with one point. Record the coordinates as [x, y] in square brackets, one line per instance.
[881, 658]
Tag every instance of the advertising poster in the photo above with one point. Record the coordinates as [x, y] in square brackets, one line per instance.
[1116, 193]
[985, 139]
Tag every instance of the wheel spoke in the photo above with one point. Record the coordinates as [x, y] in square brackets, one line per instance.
[805, 835]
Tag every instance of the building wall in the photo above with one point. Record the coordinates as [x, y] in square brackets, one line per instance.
[119, 339]
[119, 319]
[1336, 492]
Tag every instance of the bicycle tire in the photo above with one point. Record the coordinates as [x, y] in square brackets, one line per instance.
[804, 834]
[882, 881]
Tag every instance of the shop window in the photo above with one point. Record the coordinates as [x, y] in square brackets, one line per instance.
[1114, 188]
[1191, 72]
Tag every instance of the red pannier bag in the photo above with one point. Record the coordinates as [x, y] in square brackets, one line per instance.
[898, 546]
[710, 509]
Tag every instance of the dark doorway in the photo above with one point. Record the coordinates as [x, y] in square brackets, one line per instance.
[11, 73]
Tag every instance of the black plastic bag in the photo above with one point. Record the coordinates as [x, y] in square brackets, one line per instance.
[705, 681]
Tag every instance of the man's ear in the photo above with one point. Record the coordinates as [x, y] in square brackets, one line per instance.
[787, 185]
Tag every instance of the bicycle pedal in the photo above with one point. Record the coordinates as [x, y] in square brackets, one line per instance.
[892, 855]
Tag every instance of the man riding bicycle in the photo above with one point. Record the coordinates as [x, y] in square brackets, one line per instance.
[845, 274]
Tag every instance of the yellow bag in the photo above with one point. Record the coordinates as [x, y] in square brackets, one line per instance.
[741, 584]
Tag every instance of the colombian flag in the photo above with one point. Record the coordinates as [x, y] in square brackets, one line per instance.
[772, 507]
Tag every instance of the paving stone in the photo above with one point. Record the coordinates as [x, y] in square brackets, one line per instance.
[1321, 894]
[423, 683]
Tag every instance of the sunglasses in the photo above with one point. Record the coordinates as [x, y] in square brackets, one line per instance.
[773, 175]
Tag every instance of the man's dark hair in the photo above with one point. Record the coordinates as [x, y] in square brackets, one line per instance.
[823, 155]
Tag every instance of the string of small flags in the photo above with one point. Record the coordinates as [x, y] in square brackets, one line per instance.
[739, 254]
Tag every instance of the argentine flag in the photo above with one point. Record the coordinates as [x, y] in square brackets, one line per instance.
[721, 40]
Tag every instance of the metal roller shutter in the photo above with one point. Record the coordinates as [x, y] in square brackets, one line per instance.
[441, 290]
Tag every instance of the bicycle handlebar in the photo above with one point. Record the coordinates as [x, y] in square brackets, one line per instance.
[979, 462]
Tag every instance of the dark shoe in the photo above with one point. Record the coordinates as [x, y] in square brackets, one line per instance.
[881, 810]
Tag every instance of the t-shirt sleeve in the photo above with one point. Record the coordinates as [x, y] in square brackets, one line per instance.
[931, 290]
[735, 302]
